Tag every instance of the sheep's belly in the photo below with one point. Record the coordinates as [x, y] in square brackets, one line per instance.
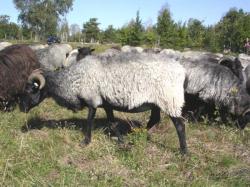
[144, 107]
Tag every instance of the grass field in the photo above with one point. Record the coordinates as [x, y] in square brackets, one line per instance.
[41, 148]
[48, 154]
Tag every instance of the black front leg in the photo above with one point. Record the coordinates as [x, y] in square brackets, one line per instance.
[155, 117]
[180, 128]
[90, 120]
[110, 114]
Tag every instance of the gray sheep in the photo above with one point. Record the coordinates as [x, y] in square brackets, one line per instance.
[76, 55]
[54, 56]
[129, 82]
[216, 85]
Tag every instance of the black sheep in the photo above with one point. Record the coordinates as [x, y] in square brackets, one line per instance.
[16, 64]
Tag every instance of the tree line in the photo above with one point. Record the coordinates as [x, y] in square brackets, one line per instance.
[42, 18]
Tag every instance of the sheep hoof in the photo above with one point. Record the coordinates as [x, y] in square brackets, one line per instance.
[84, 142]
[184, 151]
[124, 146]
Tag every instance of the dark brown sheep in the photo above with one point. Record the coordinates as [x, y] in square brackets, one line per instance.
[16, 64]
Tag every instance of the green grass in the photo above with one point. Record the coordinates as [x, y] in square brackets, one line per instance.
[48, 154]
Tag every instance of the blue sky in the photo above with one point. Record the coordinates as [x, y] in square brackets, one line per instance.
[120, 12]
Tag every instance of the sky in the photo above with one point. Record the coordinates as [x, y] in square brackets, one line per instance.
[120, 12]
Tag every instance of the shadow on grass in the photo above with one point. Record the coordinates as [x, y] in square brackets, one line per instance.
[123, 126]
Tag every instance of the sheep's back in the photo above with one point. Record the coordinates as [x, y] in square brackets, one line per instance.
[211, 81]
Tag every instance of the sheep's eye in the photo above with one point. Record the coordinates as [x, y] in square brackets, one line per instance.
[35, 86]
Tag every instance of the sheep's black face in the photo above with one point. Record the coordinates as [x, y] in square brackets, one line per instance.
[31, 97]
[83, 52]
[242, 122]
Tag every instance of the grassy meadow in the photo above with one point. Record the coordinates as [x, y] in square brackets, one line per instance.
[42, 148]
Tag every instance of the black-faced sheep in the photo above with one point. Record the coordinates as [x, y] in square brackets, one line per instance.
[16, 64]
[129, 82]
[234, 65]
[76, 55]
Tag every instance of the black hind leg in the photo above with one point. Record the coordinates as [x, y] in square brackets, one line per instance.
[112, 124]
[180, 128]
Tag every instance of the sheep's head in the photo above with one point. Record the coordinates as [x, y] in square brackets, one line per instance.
[234, 65]
[83, 52]
[33, 93]
[242, 122]
[241, 109]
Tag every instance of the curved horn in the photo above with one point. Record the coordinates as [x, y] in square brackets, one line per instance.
[248, 110]
[36, 75]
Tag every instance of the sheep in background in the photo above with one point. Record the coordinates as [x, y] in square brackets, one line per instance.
[127, 48]
[4, 44]
[200, 56]
[170, 53]
[16, 64]
[211, 85]
[54, 56]
[36, 47]
[76, 55]
[152, 50]
[110, 52]
[245, 60]
[129, 82]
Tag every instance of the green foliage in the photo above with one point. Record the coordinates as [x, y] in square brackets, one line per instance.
[8, 30]
[210, 41]
[4, 19]
[233, 29]
[132, 33]
[150, 37]
[63, 30]
[166, 29]
[110, 35]
[42, 16]
[91, 30]
[196, 33]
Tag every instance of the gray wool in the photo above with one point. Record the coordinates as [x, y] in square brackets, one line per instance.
[244, 59]
[213, 82]
[54, 56]
[124, 80]
[71, 58]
